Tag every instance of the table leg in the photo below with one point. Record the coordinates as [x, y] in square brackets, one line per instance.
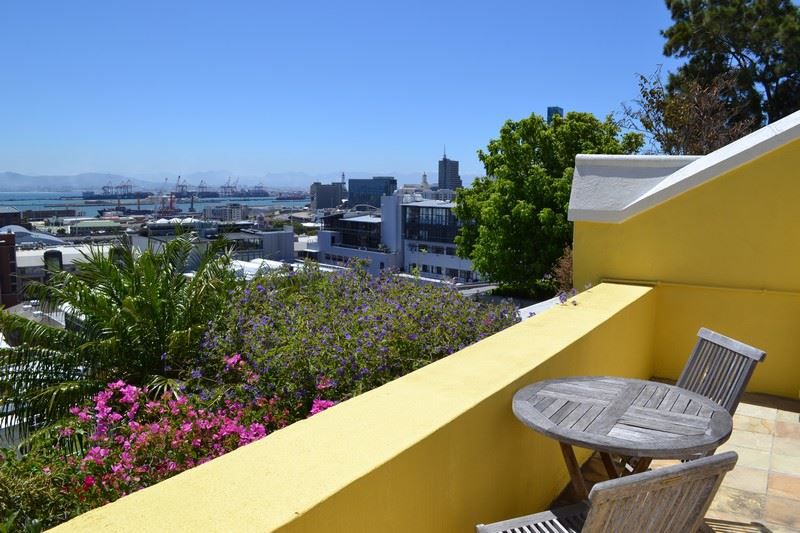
[574, 471]
[611, 469]
[641, 465]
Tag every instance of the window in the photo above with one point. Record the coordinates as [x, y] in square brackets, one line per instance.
[439, 270]
[425, 268]
[437, 249]
[412, 247]
[423, 248]
[451, 250]
[381, 265]
[451, 272]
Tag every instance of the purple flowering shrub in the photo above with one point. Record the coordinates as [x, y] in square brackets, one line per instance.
[287, 347]
[313, 337]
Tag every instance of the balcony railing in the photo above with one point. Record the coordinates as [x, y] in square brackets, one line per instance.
[439, 449]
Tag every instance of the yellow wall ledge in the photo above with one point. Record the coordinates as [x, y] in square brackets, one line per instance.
[437, 450]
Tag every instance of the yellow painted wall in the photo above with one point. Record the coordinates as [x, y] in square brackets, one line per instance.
[738, 233]
[438, 450]
[767, 320]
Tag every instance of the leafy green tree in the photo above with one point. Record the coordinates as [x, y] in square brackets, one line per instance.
[514, 220]
[758, 41]
[130, 315]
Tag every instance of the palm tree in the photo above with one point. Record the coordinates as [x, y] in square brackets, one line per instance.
[131, 315]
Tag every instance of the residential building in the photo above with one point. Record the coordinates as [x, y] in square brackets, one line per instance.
[248, 241]
[409, 233]
[368, 192]
[448, 174]
[233, 211]
[370, 237]
[429, 231]
[327, 196]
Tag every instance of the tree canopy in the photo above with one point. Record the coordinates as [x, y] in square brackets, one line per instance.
[514, 220]
[130, 315]
[757, 41]
[690, 120]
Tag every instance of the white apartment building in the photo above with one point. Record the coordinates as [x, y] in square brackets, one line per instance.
[409, 234]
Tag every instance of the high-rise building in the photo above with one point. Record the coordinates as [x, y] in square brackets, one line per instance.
[327, 196]
[448, 174]
[369, 191]
[553, 111]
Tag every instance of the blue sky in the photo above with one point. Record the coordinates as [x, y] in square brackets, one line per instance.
[315, 87]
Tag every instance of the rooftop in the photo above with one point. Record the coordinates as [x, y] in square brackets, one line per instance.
[432, 203]
[96, 224]
[33, 258]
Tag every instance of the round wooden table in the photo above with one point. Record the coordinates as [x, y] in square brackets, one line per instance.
[627, 417]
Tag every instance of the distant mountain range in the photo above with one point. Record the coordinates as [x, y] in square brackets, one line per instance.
[94, 181]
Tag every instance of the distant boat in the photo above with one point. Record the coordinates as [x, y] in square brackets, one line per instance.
[91, 195]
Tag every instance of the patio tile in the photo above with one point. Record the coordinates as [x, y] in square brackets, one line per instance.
[734, 524]
[747, 479]
[778, 528]
[787, 429]
[788, 416]
[756, 411]
[786, 446]
[748, 457]
[785, 464]
[739, 503]
[783, 485]
[749, 423]
[782, 511]
[751, 439]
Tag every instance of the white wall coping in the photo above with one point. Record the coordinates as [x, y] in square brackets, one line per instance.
[613, 188]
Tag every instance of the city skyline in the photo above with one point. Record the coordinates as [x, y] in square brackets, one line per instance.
[151, 89]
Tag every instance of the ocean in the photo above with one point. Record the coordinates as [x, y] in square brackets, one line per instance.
[64, 200]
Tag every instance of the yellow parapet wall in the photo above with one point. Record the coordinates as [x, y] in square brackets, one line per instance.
[435, 451]
[765, 319]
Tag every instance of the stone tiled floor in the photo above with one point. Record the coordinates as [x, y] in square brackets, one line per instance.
[764, 488]
[762, 493]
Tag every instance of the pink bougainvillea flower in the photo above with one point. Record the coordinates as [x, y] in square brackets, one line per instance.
[232, 361]
[320, 405]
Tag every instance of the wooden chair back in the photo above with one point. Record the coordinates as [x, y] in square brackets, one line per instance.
[672, 498]
[719, 368]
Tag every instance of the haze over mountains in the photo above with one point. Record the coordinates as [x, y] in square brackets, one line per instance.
[13, 181]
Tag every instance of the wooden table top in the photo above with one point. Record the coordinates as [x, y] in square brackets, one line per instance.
[624, 416]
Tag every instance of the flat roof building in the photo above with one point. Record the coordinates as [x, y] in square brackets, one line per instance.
[368, 192]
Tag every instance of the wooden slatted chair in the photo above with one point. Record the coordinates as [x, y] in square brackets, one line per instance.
[673, 498]
[719, 368]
